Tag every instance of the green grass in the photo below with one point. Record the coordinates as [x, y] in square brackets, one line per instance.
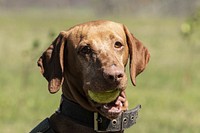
[168, 90]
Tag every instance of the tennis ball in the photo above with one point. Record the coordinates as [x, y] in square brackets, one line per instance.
[104, 97]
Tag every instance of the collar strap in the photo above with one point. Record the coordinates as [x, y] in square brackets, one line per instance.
[95, 120]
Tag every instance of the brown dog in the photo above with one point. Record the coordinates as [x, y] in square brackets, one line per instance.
[92, 57]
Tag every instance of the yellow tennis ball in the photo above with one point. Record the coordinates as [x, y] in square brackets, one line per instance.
[104, 97]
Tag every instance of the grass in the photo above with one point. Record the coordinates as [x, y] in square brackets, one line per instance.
[168, 90]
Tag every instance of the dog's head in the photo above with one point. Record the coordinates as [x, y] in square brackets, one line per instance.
[89, 61]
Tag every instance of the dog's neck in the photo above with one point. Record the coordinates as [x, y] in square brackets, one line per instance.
[74, 92]
[96, 121]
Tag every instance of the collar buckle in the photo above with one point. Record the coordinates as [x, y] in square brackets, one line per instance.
[96, 122]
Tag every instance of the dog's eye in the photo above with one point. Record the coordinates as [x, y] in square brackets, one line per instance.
[118, 45]
[86, 50]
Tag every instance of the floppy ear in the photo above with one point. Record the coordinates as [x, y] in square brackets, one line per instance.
[51, 63]
[139, 55]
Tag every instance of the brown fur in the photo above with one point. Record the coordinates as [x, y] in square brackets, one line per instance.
[91, 56]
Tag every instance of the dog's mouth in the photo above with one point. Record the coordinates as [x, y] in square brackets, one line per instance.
[109, 103]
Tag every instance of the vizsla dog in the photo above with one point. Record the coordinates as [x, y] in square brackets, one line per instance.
[91, 57]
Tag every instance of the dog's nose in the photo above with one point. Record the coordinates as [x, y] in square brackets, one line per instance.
[113, 74]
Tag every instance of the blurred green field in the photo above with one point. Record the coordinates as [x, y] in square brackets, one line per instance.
[168, 90]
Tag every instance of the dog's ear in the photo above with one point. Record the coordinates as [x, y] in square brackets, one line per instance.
[51, 63]
[139, 55]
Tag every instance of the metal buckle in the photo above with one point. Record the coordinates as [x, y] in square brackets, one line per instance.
[96, 122]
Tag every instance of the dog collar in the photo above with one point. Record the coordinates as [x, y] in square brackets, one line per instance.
[95, 120]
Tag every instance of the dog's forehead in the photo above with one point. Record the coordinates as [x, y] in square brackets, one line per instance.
[98, 29]
[101, 24]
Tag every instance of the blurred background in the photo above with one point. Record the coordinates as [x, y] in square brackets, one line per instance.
[168, 89]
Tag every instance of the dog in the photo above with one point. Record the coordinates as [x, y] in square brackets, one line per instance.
[91, 57]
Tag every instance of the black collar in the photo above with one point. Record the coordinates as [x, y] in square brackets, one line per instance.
[95, 120]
